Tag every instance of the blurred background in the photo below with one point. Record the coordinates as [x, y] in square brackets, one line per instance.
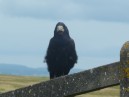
[99, 29]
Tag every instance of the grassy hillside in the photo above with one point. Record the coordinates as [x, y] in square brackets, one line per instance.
[8, 82]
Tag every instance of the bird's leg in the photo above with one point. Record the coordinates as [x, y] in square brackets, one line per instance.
[52, 75]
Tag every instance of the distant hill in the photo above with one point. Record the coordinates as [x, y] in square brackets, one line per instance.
[14, 69]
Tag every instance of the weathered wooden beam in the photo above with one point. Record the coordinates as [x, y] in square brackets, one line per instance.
[86, 81]
[124, 77]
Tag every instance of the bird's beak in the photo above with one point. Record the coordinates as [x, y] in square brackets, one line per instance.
[60, 28]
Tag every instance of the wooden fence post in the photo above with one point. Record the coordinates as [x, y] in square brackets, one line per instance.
[124, 70]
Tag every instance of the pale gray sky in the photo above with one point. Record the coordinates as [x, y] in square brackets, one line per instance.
[99, 29]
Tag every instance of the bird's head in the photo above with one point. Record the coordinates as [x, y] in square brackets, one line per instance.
[61, 29]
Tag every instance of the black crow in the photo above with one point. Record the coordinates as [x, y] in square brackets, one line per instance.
[61, 53]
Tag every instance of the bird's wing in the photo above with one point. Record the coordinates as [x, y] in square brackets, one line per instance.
[72, 54]
[50, 50]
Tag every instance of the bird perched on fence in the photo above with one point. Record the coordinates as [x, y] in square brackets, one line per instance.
[61, 53]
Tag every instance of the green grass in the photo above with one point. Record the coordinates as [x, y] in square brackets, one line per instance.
[9, 82]
[107, 92]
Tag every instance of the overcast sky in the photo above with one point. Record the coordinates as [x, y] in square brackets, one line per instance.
[99, 28]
